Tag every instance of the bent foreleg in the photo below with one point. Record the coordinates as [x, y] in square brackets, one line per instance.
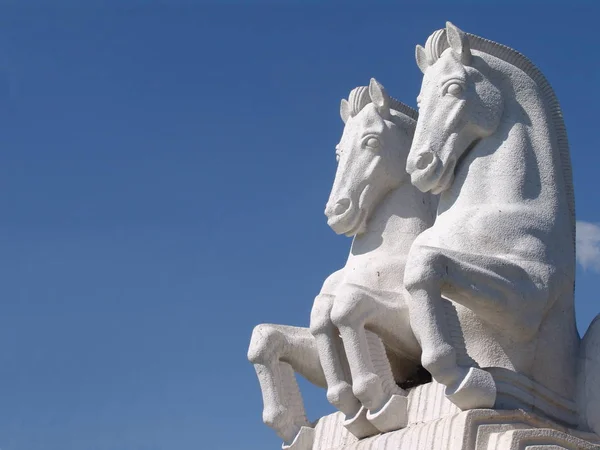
[277, 351]
[493, 288]
[425, 276]
[372, 379]
[332, 356]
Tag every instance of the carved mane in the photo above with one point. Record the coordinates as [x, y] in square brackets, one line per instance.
[359, 98]
[437, 43]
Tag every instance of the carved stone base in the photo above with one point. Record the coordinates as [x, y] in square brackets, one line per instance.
[434, 423]
[478, 429]
[303, 441]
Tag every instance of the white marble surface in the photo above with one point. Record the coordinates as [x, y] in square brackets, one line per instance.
[490, 140]
[480, 293]
[373, 201]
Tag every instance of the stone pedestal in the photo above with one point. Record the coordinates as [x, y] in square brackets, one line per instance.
[436, 424]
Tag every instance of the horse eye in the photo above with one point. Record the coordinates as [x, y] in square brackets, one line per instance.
[454, 89]
[372, 142]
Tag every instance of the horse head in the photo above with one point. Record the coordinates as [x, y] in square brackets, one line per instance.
[458, 101]
[371, 156]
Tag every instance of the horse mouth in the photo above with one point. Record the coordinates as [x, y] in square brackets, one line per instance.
[445, 179]
[350, 224]
[353, 221]
[358, 226]
[436, 178]
[426, 178]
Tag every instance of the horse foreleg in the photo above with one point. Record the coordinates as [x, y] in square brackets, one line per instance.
[424, 277]
[372, 379]
[336, 369]
[493, 288]
[332, 356]
[277, 351]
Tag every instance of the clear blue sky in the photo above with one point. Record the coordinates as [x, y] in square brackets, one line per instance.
[163, 175]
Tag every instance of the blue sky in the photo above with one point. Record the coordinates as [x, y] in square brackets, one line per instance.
[163, 175]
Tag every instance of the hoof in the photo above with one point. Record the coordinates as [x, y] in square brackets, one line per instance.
[391, 416]
[359, 426]
[476, 390]
[368, 390]
[303, 440]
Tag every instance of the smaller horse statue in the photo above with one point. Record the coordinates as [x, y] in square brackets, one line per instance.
[491, 282]
[373, 200]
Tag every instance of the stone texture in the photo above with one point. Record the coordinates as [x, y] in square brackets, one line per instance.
[360, 320]
[481, 295]
[489, 140]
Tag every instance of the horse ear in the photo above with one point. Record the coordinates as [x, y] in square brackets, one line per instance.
[459, 42]
[421, 58]
[345, 110]
[379, 97]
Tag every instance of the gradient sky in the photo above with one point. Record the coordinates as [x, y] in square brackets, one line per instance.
[163, 175]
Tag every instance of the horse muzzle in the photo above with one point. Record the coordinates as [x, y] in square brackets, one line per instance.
[424, 171]
[342, 215]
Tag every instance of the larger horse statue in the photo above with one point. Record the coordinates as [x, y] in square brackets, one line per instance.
[365, 303]
[492, 281]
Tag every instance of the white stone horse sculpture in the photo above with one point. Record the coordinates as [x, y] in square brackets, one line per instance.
[491, 139]
[373, 200]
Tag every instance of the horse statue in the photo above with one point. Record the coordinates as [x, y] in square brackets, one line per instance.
[365, 303]
[492, 281]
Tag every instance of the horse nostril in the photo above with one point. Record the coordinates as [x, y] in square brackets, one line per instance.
[424, 160]
[341, 206]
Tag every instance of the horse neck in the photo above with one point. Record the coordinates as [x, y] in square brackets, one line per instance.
[401, 216]
[520, 162]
